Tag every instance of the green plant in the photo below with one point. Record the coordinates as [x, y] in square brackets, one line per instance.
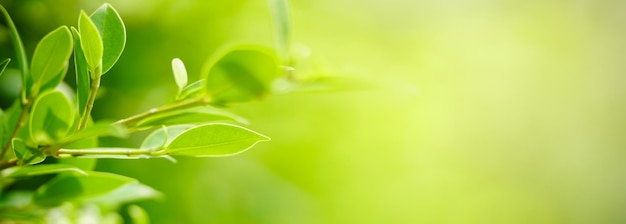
[48, 134]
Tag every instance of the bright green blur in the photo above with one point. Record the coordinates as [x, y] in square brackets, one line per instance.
[484, 111]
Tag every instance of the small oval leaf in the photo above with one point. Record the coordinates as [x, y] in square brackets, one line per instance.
[213, 140]
[51, 118]
[180, 73]
[50, 57]
[113, 33]
[91, 41]
[26, 154]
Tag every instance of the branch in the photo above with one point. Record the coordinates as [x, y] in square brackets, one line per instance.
[167, 108]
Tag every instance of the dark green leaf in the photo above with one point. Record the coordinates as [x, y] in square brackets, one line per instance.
[50, 57]
[43, 169]
[26, 154]
[180, 73]
[113, 33]
[241, 74]
[66, 188]
[20, 52]
[4, 64]
[213, 140]
[191, 116]
[280, 15]
[51, 118]
[90, 42]
[163, 136]
[82, 72]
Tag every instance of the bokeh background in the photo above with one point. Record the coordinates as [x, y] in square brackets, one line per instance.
[483, 111]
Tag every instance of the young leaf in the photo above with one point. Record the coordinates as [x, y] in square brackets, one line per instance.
[20, 52]
[138, 215]
[163, 136]
[50, 57]
[280, 15]
[26, 154]
[180, 73]
[51, 117]
[26, 171]
[214, 140]
[113, 33]
[97, 130]
[82, 72]
[90, 42]
[242, 74]
[3, 65]
[66, 188]
[192, 90]
[191, 116]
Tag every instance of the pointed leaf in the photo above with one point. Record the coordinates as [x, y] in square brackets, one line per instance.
[113, 33]
[51, 118]
[50, 57]
[191, 116]
[26, 171]
[242, 74]
[90, 42]
[26, 154]
[82, 72]
[180, 73]
[213, 140]
[3, 65]
[66, 188]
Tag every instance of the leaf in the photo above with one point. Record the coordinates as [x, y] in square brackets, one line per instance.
[192, 90]
[3, 65]
[213, 140]
[180, 73]
[113, 33]
[20, 52]
[26, 154]
[138, 215]
[66, 188]
[128, 193]
[82, 72]
[50, 57]
[90, 42]
[191, 116]
[163, 136]
[51, 118]
[280, 15]
[97, 130]
[241, 74]
[43, 169]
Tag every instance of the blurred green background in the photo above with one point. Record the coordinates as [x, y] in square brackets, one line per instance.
[486, 111]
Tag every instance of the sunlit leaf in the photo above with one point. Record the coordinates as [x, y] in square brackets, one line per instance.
[280, 15]
[241, 74]
[98, 129]
[163, 136]
[214, 140]
[51, 118]
[138, 215]
[128, 193]
[43, 169]
[66, 188]
[26, 154]
[50, 57]
[191, 116]
[192, 90]
[3, 65]
[82, 72]
[180, 73]
[90, 41]
[113, 33]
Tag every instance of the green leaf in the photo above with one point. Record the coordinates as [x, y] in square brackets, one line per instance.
[20, 52]
[180, 73]
[113, 33]
[97, 130]
[26, 154]
[3, 65]
[50, 57]
[280, 15]
[90, 42]
[163, 136]
[43, 169]
[128, 193]
[191, 116]
[51, 118]
[241, 74]
[214, 140]
[192, 90]
[66, 188]
[81, 67]
[138, 215]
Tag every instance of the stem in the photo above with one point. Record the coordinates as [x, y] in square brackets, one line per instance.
[110, 151]
[95, 84]
[10, 163]
[160, 110]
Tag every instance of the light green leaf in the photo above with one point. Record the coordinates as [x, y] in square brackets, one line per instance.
[66, 188]
[82, 72]
[192, 90]
[280, 15]
[43, 169]
[113, 33]
[180, 73]
[214, 140]
[128, 193]
[50, 57]
[26, 154]
[97, 130]
[163, 136]
[241, 74]
[191, 116]
[90, 42]
[20, 52]
[3, 65]
[138, 215]
[51, 118]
